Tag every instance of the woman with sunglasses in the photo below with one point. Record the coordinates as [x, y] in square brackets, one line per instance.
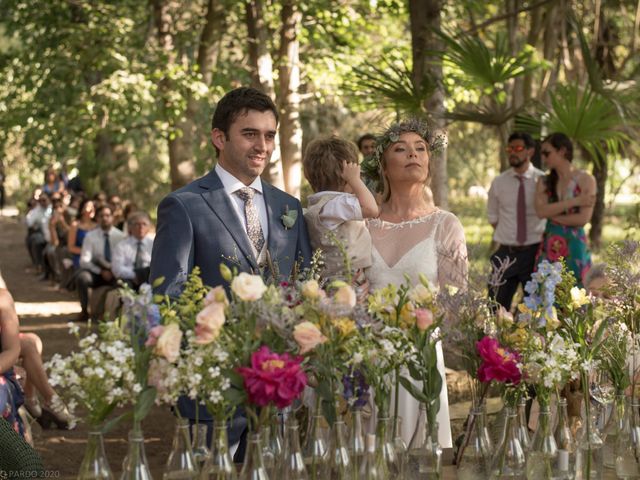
[565, 197]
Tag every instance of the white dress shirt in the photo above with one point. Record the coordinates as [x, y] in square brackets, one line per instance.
[503, 207]
[93, 247]
[124, 256]
[231, 184]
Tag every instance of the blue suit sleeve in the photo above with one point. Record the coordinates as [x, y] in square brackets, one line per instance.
[172, 255]
[304, 245]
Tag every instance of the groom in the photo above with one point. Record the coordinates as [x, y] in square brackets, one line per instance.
[230, 215]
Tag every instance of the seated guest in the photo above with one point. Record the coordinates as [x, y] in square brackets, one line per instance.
[82, 225]
[132, 256]
[11, 396]
[95, 258]
[58, 231]
[37, 220]
[53, 183]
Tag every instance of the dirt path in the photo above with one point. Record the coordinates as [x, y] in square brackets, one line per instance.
[46, 311]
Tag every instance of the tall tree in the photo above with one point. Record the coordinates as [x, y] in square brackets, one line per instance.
[289, 76]
[425, 20]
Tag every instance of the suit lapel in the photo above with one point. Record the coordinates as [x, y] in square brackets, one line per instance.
[275, 240]
[219, 202]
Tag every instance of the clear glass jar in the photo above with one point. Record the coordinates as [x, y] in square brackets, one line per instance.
[95, 465]
[181, 463]
[509, 461]
[293, 467]
[201, 451]
[424, 452]
[612, 429]
[474, 459]
[219, 465]
[543, 456]
[341, 466]
[135, 465]
[253, 467]
[565, 442]
[384, 435]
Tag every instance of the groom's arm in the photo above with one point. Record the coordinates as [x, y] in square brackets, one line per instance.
[172, 255]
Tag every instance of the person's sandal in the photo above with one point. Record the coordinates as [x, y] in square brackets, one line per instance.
[55, 413]
[32, 404]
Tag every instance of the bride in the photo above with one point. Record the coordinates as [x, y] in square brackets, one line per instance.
[412, 236]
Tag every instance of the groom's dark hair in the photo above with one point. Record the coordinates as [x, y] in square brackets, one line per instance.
[238, 102]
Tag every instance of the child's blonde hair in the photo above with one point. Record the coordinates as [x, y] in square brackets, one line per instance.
[323, 160]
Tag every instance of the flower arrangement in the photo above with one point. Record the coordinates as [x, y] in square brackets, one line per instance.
[99, 377]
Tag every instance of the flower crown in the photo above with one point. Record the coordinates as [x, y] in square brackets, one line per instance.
[371, 165]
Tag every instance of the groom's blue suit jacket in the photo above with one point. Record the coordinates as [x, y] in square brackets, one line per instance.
[197, 225]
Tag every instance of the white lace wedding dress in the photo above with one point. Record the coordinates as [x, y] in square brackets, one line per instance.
[433, 245]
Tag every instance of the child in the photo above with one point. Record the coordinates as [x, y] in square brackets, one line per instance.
[338, 207]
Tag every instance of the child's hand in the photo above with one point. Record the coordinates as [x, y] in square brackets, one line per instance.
[350, 173]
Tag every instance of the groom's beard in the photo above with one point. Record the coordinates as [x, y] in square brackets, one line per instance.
[516, 162]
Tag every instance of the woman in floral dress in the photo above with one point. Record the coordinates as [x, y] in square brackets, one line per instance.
[565, 197]
[11, 396]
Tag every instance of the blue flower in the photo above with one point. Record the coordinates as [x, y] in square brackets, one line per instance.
[531, 287]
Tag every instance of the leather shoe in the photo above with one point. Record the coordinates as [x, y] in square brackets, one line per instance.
[32, 404]
[55, 413]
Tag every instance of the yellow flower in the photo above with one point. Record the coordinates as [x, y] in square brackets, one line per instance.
[518, 338]
[345, 326]
[311, 290]
[421, 294]
[407, 316]
[552, 320]
[579, 297]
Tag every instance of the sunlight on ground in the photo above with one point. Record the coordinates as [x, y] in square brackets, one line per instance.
[46, 309]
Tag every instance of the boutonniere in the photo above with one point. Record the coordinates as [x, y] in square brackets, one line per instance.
[289, 217]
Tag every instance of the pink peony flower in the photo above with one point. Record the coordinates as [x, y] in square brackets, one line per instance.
[498, 363]
[424, 318]
[556, 248]
[273, 378]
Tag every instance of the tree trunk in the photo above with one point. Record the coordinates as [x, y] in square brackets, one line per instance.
[290, 127]
[601, 173]
[261, 69]
[424, 16]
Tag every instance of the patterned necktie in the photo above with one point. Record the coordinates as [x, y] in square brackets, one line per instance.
[521, 235]
[137, 263]
[254, 229]
[107, 248]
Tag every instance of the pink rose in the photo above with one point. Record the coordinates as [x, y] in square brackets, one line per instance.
[345, 295]
[307, 336]
[216, 295]
[557, 248]
[154, 334]
[273, 378]
[168, 344]
[209, 322]
[424, 318]
[498, 363]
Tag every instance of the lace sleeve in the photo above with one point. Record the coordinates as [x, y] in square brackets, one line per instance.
[452, 253]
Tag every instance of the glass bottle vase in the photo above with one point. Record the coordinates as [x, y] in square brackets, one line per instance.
[400, 447]
[95, 465]
[386, 450]
[612, 430]
[181, 463]
[424, 452]
[543, 454]
[523, 426]
[509, 461]
[474, 459]
[590, 446]
[219, 465]
[253, 467]
[292, 467]
[135, 465]
[201, 451]
[357, 448]
[316, 449]
[565, 442]
[341, 466]
[628, 444]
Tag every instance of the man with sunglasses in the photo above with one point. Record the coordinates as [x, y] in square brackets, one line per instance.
[511, 212]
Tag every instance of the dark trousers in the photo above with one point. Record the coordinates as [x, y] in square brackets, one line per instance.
[519, 273]
[86, 279]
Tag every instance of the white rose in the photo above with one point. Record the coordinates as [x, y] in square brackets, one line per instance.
[248, 287]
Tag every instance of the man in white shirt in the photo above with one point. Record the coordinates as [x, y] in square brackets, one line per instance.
[95, 258]
[517, 228]
[37, 220]
[132, 256]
